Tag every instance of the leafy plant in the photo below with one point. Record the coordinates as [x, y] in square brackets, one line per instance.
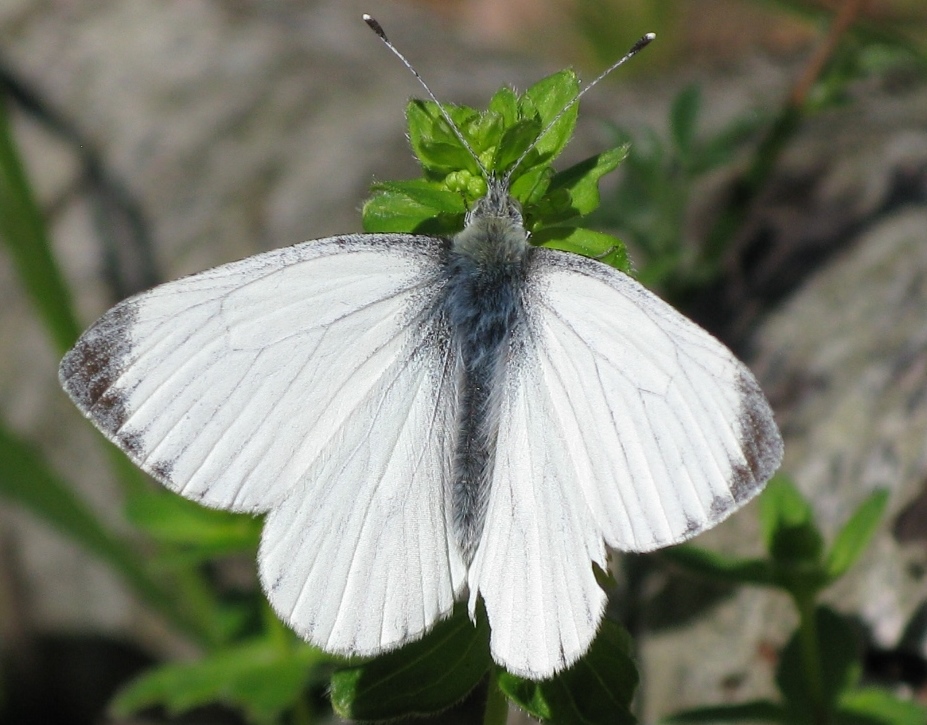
[553, 204]
[819, 668]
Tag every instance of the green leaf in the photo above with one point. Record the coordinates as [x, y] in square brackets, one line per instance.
[838, 664]
[485, 131]
[263, 677]
[426, 193]
[586, 242]
[529, 187]
[172, 519]
[856, 534]
[719, 567]
[873, 706]
[434, 143]
[499, 136]
[683, 117]
[574, 192]
[788, 524]
[443, 158]
[413, 206]
[745, 712]
[22, 228]
[505, 104]
[547, 98]
[597, 689]
[516, 139]
[423, 677]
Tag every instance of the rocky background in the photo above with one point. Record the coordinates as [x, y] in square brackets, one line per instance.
[176, 135]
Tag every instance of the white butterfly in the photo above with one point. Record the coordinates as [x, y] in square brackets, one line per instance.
[424, 418]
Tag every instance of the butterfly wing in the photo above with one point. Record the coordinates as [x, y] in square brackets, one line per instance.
[621, 422]
[317, 383]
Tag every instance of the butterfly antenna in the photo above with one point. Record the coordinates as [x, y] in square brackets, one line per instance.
[381, 34]
[635, 49]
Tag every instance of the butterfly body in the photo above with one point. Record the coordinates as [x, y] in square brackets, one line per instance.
[482, 300]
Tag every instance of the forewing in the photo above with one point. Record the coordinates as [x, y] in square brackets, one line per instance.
[621, 422]
[315, 382]
[227, 384]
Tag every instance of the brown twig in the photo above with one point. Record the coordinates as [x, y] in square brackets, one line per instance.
[846, 15]
[748, 187]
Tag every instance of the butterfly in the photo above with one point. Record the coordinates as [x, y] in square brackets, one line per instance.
[425, 419]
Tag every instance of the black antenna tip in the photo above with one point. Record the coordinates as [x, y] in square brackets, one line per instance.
[374, 25]
[642, 43]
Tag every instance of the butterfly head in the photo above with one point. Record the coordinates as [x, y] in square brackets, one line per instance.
[496, 204]
[494, 229]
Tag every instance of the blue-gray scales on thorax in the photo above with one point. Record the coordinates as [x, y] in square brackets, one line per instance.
[486, 271]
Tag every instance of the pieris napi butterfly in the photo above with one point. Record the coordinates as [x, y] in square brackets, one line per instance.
[425, 419]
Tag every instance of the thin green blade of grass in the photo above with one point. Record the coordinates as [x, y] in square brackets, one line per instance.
[26, 480]
[22, 229]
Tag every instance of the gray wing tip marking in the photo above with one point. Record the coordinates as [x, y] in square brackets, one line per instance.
[88, 374]
[163, 472]
[761, 446]
[760, 439]
[90, 369]
[693, 527]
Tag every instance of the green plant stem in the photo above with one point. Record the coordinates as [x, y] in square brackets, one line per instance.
[282, 639]
[199, 606]
[811, 656]
[497, 708]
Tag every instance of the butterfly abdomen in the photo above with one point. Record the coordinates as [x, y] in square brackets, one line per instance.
[483, 306]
